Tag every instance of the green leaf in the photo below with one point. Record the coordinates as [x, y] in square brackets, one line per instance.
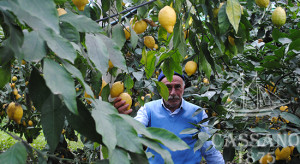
[80, 22]
[118, 35]
[118, 155]
[97, 52]
[189, 131]
[281, 139]
[218, 141]
[126, 135]
[162, 89]
[233, 11]
[168, 68]
[34, 47]
[104, 123]
[223, 20]
[228, 153]
[167, 138]
[115, 54]
[291, 117]
[77, 74]
[204, 48]
[202, 138]
[119, 5]
[162, 34]
[69, 32]
[178, 37]
[79, 123]
[5, 74]
[165, 154]
[61, 83]
[128, 82]
[134, 38]
[295, 45]
[150, 63]
[15, 154]
[138, 158]
[52, 119]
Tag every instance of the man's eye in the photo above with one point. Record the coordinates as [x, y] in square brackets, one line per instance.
[177, 86]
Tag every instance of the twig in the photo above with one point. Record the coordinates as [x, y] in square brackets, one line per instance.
[124, 11]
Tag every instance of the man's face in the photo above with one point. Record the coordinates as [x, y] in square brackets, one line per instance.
[176, 89]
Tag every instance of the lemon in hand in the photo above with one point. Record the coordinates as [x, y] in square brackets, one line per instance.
[116, 89]
[127, 98]
[167, 18]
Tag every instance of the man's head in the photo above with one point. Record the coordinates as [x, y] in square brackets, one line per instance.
[176, 89]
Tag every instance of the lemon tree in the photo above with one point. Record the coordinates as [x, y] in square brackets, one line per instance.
[61, 58]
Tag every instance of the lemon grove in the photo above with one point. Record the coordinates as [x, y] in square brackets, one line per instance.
[63, 62]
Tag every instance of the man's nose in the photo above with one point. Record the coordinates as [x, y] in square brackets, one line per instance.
[172, 91]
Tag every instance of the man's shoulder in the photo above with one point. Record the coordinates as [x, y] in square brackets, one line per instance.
[190, 105]
[153, 102]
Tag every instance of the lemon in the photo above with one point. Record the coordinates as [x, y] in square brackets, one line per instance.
[231, 40]
[216, 10]
[77, 89]
[143, 98]
[87, 97]
[167, 18]
[23, 62]
[60, 12]
[140, 26]
[127, 32]
[149, 42]
[26, 83]
[155, 46]
[284, 154]
[284, 108]
[110, 64]
[80, 4]
[186, 34]
[228, 100]
[11, 110]
[266, 159]
[116, 89]
[15, 112]
[278, 17]
[190, 68]
[30, 123]
[104, 83]
[270, 88]
[15, 91]
[18, 96]
[125, 96]
[262, 3]
[274, 119]
[205, 81]
[24, 123]
[14, 78]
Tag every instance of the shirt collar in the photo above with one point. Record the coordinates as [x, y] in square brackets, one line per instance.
[169, 111]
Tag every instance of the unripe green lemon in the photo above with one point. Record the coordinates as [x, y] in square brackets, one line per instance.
[262, 3]
[279, 17]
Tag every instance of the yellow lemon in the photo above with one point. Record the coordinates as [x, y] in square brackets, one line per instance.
[167, 18]
[266, 159]
[116, 89]
[30, 123]
[270, 88]
[278, 17]
[284, 108]
[14, 78]
[149, 42]
[216, 10]
[87, 96]
[23, 62]
[155, 46]
[228, 100]
[80, 4]
[15, 91]
[140, 26]
[283, 154]
[110, 64]
[18, 114]
[205, 81]
[11, 110]
[18, 96]
[262, 3]
[60, 12]
[125, 96]
[190, 68]
[127, 32]
[231, 40]
[102, 86]
[186, 34]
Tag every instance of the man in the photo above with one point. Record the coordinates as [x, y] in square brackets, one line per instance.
[175, 115]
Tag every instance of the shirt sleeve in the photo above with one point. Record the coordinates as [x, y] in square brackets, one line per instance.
[212, 155]
[142, 116]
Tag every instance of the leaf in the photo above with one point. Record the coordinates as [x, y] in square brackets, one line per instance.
[218, 141]
[223, 20]
[69, 32]
[118, 155]
[168, 68]
[104, 123]
[138, 158]
[295, 45]
[119, 5]
[150, 63]
[115, 54]
[61, 83]
[165, 154]
[233, 11]
[5, 74]
[204, 48]
[162, 89]
[15, 154]
[297, 71]
[97, 52]
[202, 138]
[291, 117]
[189, 131]
[178, 36]
[134, 38]
[162, 34]
[127, 137]
[128, 82]
[34, 47]
[77, 74]
[118, 35]
[167, 138]
[228, 153]
[80, 22]
[84, 123]
[52, 119]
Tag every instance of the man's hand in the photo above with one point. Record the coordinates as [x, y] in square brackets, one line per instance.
[121, 106]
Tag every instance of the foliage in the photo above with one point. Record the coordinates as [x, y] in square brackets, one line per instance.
[57, 59]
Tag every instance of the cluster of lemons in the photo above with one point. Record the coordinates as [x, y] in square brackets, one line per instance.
[281, 154]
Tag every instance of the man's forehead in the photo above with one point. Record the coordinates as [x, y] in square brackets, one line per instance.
[176, 80]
